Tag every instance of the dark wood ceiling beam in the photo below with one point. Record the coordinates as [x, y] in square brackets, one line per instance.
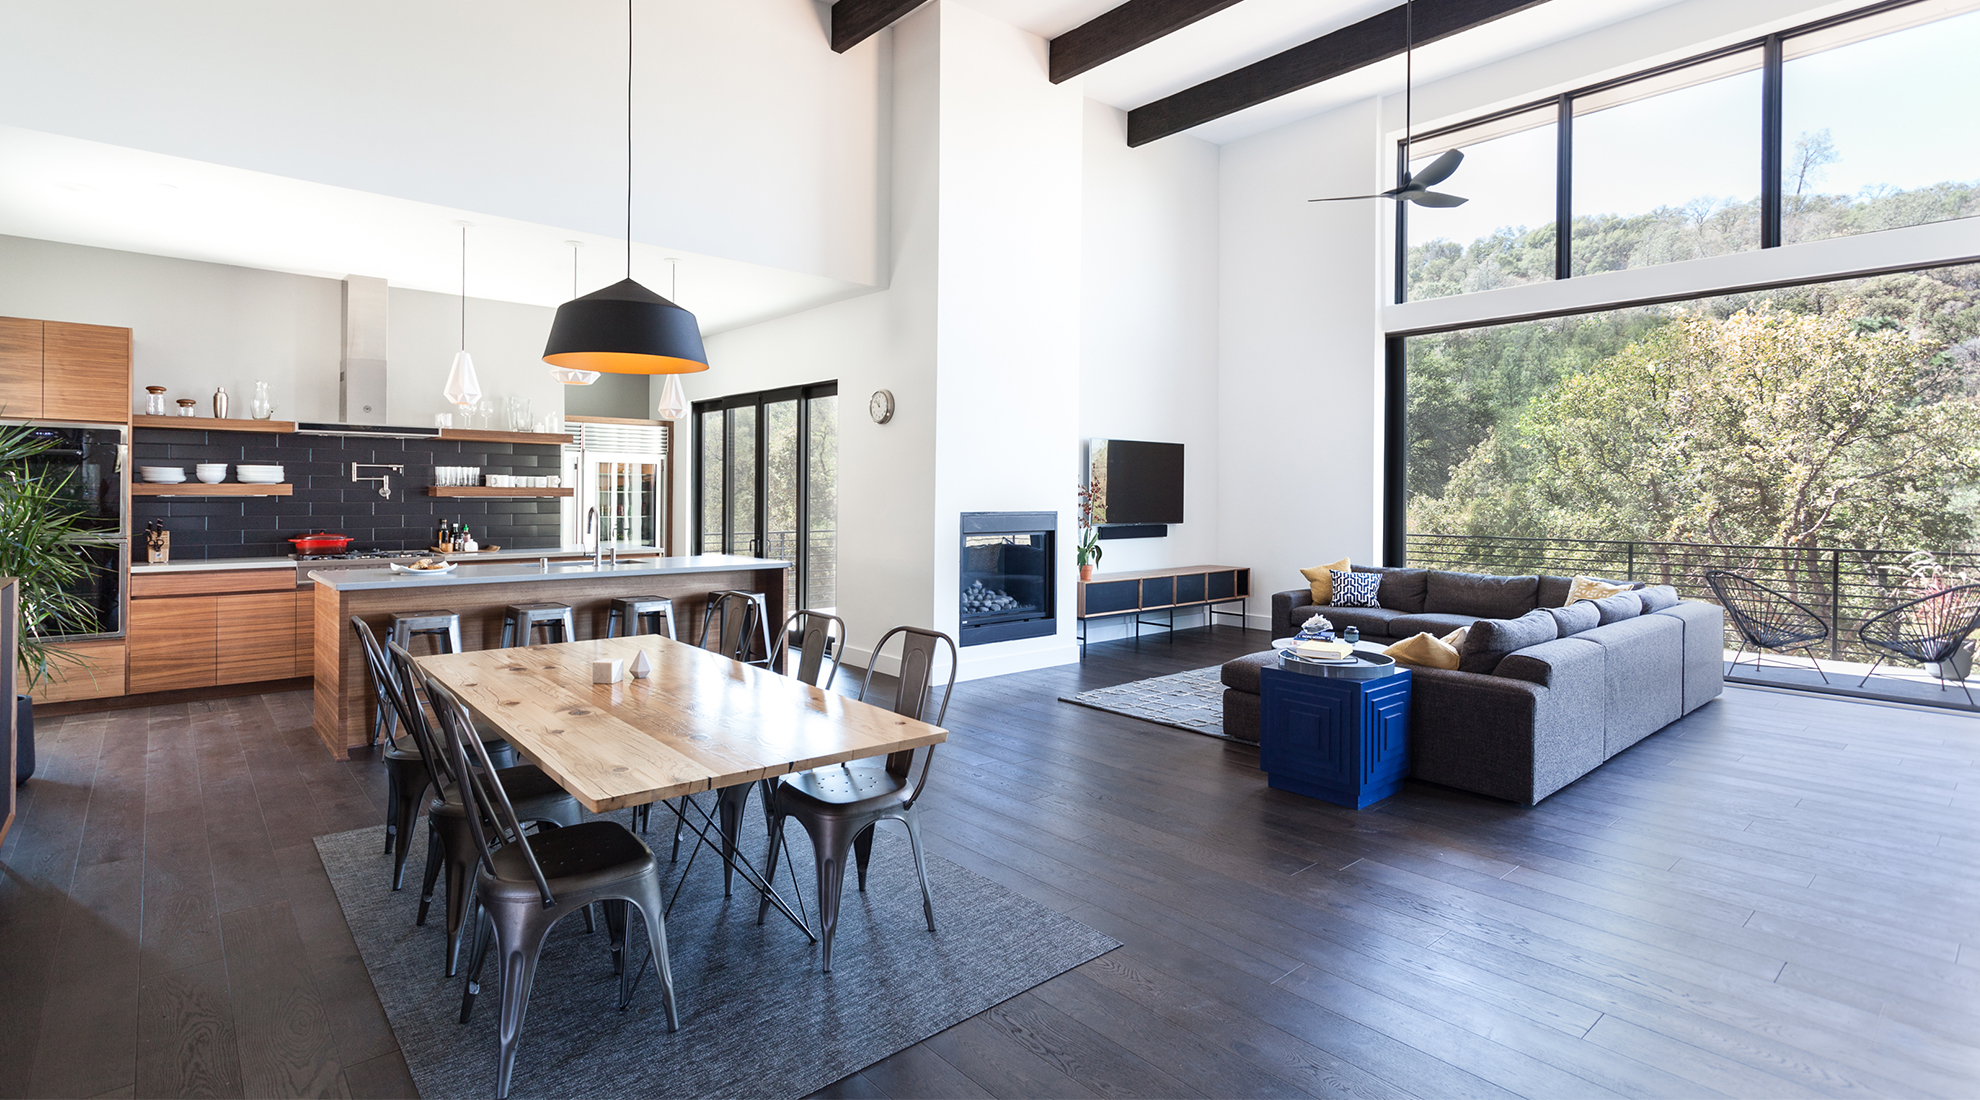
[855, 21]
[1123, 30]
[1358, 45]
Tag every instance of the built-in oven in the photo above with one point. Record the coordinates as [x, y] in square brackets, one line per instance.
[89, 465]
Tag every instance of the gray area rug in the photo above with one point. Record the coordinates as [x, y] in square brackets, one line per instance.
[1192, 700]
[757, 1017]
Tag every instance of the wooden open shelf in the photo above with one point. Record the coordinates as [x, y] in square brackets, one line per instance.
[209, 424]
[199, 489]
[484, 435]
[494, 491]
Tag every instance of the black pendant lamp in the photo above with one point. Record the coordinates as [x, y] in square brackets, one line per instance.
[625, 328]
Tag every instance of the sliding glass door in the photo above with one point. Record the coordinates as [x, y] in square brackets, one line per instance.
[766, 484]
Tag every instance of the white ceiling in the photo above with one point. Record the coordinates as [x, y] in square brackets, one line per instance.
[83, 192]
[1256, 29]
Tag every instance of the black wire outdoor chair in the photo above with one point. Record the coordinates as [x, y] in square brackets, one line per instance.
[1928, 630]
[1767, 619]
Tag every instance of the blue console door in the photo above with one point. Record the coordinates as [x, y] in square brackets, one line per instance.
[1341, 741]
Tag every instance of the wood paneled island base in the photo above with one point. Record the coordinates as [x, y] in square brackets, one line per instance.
[480, 594]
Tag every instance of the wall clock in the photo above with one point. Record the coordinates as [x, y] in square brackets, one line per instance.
[881, 407]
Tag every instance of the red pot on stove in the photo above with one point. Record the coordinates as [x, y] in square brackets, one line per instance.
[320, 543]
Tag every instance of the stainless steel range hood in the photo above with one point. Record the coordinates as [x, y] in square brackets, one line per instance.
[361, 371]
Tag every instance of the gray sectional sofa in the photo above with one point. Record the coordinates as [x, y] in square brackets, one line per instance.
[1543, 694]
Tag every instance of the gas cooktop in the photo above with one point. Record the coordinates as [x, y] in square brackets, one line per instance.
[358, 555]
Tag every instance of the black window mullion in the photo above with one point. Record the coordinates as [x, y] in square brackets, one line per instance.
[1771, 138]
[759, 542]
[1564, 189]
[1395, 452]
[1402, 226]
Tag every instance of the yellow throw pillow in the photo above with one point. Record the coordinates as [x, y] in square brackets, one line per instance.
[1320, 579]
[1426, 650]
[1588, 588]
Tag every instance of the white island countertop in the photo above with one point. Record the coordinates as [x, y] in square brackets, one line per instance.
[358, 580]
[288, 561]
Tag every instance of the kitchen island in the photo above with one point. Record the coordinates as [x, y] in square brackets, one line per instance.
[481, 592]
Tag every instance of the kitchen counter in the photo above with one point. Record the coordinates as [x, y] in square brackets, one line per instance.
[360, 580]
[480, 592]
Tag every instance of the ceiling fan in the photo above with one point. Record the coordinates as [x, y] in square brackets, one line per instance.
[1416, 186]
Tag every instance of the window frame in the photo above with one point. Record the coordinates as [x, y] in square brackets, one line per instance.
[758, 401]
[1772, 114]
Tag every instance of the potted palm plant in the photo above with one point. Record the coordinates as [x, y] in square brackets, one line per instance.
[38, 532]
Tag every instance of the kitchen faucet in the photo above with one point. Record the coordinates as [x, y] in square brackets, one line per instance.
[597, 537]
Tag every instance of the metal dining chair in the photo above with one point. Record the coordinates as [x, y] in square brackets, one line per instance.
[742, 626]
[519, 901]
[839, 806]
[1928, 630]
[407, 774]
[450, 844]
[818, 641]
[1767, 618]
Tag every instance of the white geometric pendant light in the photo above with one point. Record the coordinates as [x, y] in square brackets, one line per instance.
[463, 385]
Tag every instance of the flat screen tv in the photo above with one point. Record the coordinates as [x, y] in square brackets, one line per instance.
[1135, 482]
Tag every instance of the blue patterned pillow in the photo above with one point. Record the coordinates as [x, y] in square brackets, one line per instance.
[1355, 589]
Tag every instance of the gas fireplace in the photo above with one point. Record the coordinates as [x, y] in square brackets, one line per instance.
[1006, 580]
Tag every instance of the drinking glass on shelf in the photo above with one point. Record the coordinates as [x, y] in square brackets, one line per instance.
[487, 411]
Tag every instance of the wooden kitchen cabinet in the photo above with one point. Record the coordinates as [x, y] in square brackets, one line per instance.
[53, 370]
[305, 630]
[174, 643]
[85, 373]
[20, 369]
[99, 676]
[256, 637]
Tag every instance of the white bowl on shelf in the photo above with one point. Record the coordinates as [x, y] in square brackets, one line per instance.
[163, 475]
[211, 473]
[259, 475]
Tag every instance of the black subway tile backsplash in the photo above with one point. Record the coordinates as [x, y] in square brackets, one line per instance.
[327, 500]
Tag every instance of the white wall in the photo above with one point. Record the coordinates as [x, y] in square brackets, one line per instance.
[1299, 409]
[756, 141]
[1148, 337]
[196, 326]
[878, 341]
[1008, 324]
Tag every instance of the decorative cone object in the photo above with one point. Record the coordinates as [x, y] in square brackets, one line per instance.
[642, 667]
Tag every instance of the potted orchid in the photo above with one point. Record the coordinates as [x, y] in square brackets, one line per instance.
[1088, 552]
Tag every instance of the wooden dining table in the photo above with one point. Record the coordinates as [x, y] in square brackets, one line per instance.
[698, 722]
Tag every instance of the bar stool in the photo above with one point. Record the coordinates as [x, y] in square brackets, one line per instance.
[635, 610]
[443, 625]
[522, 618]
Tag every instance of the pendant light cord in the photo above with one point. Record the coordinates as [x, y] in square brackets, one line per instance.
[629, 135]
[464, 288]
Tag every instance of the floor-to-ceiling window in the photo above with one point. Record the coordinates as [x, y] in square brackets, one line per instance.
[1823, 438]
[766, 483]
[1859, 123]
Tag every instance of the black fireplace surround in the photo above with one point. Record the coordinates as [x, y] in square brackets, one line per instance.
[1006, 579]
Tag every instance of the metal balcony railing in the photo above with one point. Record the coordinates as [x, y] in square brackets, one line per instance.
[1844, 585]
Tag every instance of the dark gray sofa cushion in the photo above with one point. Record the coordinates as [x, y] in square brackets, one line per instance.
[1491, 640]
[1374, 622]
[1573, 620]
[1553, 591]
[1644, 677]
[1242, 715]
[1402, 589]
[1657, 597]
[1430, 622]
[1616, 608]
[1477, 594]
[1242, 673]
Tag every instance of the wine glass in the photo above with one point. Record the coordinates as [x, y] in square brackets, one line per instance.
[487, 412]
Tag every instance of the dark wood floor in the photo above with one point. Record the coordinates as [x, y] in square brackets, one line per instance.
[1775, 897]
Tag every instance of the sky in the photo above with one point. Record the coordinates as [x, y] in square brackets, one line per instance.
[1900, 110]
